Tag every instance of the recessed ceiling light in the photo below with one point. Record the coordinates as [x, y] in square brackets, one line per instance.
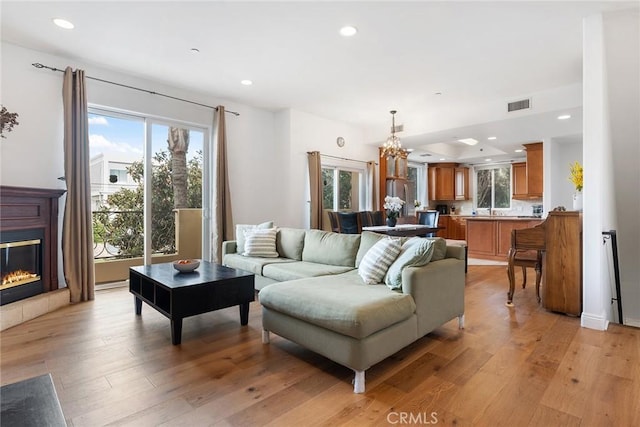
[487, 160]
[348, 31]
[519, 150]
[194, 50]
[442, 158]
[63, 23]
[491, 138]
[468, 141]
[564, 117]
[409, 150]
[246, 82]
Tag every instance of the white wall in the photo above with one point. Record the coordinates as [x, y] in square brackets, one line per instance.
[562, 155]
[313, 133]
[32, 154]
[610, 151]
[622, 47]
[266, 150]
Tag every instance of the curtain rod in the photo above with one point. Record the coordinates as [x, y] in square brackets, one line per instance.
[38, 65]
[344, 158]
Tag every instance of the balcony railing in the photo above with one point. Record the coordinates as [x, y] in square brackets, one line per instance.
[119, 234]
[112, 265]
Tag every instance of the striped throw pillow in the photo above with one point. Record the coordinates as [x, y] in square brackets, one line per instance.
[376, 261]
[260, 243]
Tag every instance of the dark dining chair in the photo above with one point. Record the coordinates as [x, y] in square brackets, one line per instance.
[430, 219]
[348, 222]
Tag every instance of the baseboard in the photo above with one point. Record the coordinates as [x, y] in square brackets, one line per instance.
[632, 322]
[21, 311]
[592, 321]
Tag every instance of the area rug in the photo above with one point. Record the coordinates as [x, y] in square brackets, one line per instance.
[31, 402]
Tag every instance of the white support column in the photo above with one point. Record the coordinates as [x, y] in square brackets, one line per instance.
[358, 382]
[461, 322]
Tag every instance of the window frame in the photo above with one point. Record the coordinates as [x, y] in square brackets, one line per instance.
[493, 167]
[421, 186]
[148, 121]
[348, 166]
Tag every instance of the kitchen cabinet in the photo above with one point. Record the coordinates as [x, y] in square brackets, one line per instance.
[442, 181]
[481, 238]
[504, 234]
[394, 167]
[448, 181]
[534, 170]
[393, 175]
[457, 228]
[461, 183]
[490, 238]
[519, 180]
[443, 221]
[453, 227]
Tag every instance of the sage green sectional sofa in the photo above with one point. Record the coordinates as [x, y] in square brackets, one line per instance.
[313, 295]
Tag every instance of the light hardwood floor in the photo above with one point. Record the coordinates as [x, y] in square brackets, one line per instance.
[517, 367]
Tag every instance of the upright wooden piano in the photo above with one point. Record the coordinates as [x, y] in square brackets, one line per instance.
[561, 254]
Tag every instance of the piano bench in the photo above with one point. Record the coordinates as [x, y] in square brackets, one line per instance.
[524, 259]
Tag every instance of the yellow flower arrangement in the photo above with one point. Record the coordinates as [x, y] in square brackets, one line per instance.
[576, 175]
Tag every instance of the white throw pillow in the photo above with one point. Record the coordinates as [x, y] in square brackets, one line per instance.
[377, 260]
[260, 243]
[415, 252]
[240, 229]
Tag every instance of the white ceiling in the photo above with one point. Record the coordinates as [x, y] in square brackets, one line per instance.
[478, 55]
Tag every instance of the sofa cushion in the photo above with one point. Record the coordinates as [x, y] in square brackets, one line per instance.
[367, 240]
[343, 304]
[325, 247]
[260, 243]
[300, 270]
[240, 228]
[289, 243]
[415, 252]
[254, 265]
[439, 248]
[377, 260]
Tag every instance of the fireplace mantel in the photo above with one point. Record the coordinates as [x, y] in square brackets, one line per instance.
[23, 208]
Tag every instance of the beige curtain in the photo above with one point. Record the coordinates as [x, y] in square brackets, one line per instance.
[315, 186]
[372, 194]
[77, 235]
[222, 219]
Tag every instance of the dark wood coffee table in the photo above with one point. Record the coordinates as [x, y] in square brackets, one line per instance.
[178, 295]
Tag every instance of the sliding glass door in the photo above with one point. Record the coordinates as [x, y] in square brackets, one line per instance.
[134, 216]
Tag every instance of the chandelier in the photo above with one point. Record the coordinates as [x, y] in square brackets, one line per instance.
[392, 147]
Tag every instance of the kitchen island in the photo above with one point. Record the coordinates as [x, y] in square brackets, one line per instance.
[489, 237]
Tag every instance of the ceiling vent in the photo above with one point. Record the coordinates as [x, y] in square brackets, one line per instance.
[425, 155]
[519, 105]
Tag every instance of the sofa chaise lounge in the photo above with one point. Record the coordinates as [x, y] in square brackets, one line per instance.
[312, 294]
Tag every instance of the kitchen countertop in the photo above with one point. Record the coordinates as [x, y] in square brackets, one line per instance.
[496, 217]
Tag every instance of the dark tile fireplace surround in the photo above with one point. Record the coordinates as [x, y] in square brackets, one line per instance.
[28, 242]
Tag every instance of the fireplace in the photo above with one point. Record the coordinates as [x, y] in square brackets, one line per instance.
[28, 242]
[21, 264]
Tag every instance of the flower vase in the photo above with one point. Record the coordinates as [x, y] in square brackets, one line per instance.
[577, 201]
[391, 222]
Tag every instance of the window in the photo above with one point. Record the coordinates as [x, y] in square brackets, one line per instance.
[493, 188]
[120, 194]
[118, 175]
[415, 186]
[341, 188]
